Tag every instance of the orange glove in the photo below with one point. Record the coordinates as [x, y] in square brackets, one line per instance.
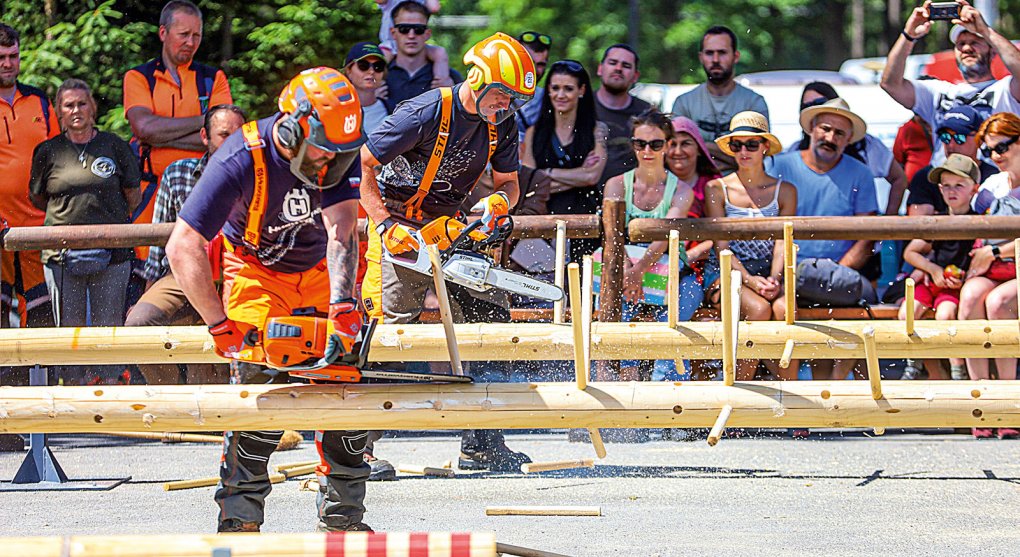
[492, 207]
[347, 321]
[229, 337]
[397, 238]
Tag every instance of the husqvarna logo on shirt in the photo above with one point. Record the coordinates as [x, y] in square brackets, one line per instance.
[297, 205]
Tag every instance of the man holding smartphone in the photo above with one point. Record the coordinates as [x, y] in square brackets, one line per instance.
[974, 43]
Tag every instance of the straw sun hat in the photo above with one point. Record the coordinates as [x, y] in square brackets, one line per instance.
[749, 124]
[836, 106]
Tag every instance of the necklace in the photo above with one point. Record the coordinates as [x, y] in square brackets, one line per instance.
[81, 155]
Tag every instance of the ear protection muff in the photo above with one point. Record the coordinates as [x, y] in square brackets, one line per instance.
[289, 131]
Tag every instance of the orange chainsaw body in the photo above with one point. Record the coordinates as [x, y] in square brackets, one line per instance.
[299, 341]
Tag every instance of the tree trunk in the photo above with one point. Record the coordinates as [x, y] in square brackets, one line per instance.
[857, 29]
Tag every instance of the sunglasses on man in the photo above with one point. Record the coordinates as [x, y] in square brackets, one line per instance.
[406, 28]
[947, 136]
[533, 38]
[752, 145]
[379, 66]
[999, 149]
[640, 144]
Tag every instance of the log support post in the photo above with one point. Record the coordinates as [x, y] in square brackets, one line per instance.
[908, 302]
[871, 356]
[789, 273]
[561, 258]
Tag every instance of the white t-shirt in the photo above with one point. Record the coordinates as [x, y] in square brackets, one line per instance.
[994, 187]
[933, 98]
[712, 114]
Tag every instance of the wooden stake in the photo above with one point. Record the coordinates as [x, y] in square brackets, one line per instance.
[291, 465]
[169, 437]
[444, 309]
[296, 471]
[908, 301]
[726, 301]
[871, 355]
[532, 467]
[720, 425]
[673, 284]
[518, 551]
[426, 471]
[580, 363]
[543, 511]
[561, 258]
[587, 290]
[784, 360]
[789, 274]
[596, 442]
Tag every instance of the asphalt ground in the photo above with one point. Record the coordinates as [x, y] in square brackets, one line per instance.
[832, 494]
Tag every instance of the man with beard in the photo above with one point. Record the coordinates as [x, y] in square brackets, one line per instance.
[615, 106]
[830, 183]
[713, 103]
[973, 42]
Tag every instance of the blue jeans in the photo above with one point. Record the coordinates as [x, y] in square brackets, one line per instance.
[691, 296]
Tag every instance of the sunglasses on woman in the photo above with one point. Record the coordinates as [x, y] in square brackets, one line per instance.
[751, 144]
[406, 28]
[947, 136]
[531, 37]
[640, 144]
[571, 65]
[999, 149]
[379, 66]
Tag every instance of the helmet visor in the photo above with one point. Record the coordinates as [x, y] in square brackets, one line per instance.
[497, 102]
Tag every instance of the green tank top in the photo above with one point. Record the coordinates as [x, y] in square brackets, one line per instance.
[660, 210]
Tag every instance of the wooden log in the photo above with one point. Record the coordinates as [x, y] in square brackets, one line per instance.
[908, 301]
[315, 544]
[580, 363]
[426, 471]
[956, 227]
[210, 482]
[445, 312]
[533, 467]
[871, 357]
[673, 284]
[538, 341]
[535, 510]
[719, 426]
[595, 435]
[544, 226]
[168, 437]
[785, 404]
[789, 274]
[558, 271]
[726, 301]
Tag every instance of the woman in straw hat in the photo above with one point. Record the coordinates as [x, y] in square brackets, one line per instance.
[751, 192]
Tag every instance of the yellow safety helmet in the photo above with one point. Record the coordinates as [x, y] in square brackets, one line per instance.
[501, 63]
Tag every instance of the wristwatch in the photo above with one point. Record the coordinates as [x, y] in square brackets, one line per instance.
[385, 225]
[997, 252]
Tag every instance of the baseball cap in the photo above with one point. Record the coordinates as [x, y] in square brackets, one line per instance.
[956, 30]
[958, 164]
[361, 50]
[961, 119]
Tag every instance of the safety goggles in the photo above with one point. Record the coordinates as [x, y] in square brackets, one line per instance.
[751, 144]
[947, 136]
[379, 66]
[640, 144]
[999, 149]
[407, 28]
[533, 38]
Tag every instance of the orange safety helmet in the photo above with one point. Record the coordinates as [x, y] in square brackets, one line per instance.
[322, 108]
[501, 63]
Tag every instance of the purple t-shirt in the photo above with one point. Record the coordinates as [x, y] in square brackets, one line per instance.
[293, 236]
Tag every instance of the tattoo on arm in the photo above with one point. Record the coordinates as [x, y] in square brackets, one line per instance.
[342, 262]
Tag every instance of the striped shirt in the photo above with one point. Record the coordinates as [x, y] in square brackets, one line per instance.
[175, 186]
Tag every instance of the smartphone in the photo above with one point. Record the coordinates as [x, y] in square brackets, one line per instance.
[943, 11]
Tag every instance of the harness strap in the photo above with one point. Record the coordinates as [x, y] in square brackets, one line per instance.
[254, 143]
[412, 207]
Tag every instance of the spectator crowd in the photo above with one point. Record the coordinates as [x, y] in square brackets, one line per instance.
[583, 138]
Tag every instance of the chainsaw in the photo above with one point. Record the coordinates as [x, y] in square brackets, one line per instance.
[299, 345]
[464, 262]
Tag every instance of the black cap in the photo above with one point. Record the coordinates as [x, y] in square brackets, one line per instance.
[361, 50]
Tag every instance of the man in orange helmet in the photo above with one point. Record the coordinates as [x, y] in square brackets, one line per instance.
[285, 194]
[431, 151]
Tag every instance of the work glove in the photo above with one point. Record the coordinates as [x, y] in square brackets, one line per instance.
[399, 238]
[347, 322]
[229, 337]
[492, 207]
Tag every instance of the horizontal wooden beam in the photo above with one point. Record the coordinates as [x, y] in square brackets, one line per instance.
[364, 544]
[131, 235]
[780, 404]
[540, 341]
[830, 228]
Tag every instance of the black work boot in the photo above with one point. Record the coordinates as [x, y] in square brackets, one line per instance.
[382, 470]
[350, 527]
[235, 525]
[498, 458]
